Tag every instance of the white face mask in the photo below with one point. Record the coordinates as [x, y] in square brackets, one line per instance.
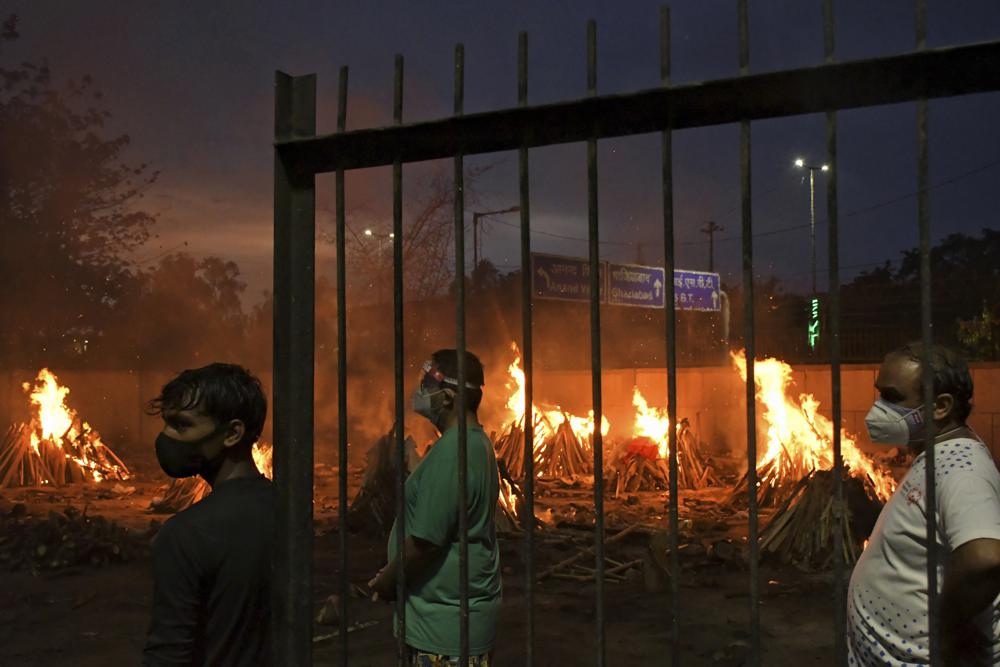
[890, 424]
[430, 404]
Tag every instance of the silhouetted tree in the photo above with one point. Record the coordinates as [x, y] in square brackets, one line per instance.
[69, 211]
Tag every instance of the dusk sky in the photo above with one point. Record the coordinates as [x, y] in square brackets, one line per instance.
[192, 84]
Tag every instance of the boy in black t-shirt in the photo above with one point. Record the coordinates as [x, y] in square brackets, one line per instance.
[212, 562]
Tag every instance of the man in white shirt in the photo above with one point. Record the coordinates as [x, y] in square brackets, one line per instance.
[888, 595]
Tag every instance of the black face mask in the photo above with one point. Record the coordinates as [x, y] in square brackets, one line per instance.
[180, 458]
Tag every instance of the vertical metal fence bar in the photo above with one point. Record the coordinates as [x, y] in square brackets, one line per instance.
[294, 338]
[463, 435]
[341, 222]
[926, 323]
[595, 347]
[528, 355]
[839, 563]
[667, 174]
[397, 305]
[747, 217]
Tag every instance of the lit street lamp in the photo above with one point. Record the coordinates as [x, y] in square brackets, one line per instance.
[381, 237]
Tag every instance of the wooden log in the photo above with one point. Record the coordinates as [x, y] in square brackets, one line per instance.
[589, 551]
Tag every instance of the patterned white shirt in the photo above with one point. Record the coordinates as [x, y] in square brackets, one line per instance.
[887, 598]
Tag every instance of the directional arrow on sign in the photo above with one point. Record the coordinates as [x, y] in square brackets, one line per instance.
[657, 286]
[545, 274]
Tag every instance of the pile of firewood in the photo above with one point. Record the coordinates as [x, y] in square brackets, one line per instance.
[511, 505]
[55, 461]
[66, 539]
[509, 447]
[374, 507]
[578, 566]
[773, 487]
[636, 465]
[558, 450]
[803, 529]
[564, 455]
[19, 464]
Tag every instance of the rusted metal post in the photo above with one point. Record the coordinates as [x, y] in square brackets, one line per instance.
[341, 223]
[399, 365]
[748, 327]
[463, 433]
[927, 379]
[595, 349]
[294, 338]
[667, 174]
[833, 299]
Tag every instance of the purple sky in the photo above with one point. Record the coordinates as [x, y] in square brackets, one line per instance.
[192, 83]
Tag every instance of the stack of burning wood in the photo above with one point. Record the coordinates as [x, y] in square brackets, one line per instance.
[559, 452]
[511, 503]
[641, 463]
[56, 447]
[509, 446]
[794, 473]
[803, 530]
[563, 454]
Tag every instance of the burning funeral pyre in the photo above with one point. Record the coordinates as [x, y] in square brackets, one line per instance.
[641, 462]
[794, 472]
[803, 529]
[57, 446]
[799, 440]
[562, 441]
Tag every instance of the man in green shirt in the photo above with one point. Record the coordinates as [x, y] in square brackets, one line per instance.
[431, 547]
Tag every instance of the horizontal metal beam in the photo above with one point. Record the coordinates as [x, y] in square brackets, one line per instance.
[944, 72]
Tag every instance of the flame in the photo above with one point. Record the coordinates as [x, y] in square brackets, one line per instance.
[547, 421]
[58, 425]
[799, 439]
[262, 458]
[651, 423]
[508, 499]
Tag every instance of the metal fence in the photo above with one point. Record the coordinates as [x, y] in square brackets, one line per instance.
[300, 154]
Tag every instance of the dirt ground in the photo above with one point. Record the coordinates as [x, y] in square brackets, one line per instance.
[97, 616]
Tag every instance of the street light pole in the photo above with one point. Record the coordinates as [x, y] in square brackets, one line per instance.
[800, 163]
[476, 217]
[812, 222]
[710, 228]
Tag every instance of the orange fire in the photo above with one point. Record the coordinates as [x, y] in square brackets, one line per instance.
[799, 439]
[547, 421]
[508, 499]
[651, 422]
[263, 458]
[57, 425]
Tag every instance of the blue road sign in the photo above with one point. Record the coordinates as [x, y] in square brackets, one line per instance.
[565, 278]
[696, 290]
[636, 285]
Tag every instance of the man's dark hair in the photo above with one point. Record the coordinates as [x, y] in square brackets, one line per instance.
[951, 374]
[222, 391]
[447, 362]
